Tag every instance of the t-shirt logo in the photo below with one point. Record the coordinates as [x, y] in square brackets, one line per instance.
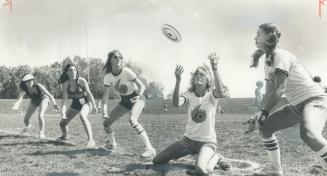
[123, 88]
[198, 115]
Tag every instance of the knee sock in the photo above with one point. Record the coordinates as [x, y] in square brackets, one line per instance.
[272, 148]
[323, 153]
[141, 132]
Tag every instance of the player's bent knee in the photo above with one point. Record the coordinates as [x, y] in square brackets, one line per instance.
[138, 128]
[108, 129]
[133, 122]
[63, 123]
[107, 123]
[266, 130]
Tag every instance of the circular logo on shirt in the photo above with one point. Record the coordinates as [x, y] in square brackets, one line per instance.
[123, 88]
[198, 115]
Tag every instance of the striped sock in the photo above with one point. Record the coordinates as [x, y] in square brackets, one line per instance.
[141, 132]
[323, 153]
[272, 148]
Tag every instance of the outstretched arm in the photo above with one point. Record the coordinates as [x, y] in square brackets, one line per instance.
[43, 89]
[218, 92]
[19, 100]
[176, 98]
[89, 93]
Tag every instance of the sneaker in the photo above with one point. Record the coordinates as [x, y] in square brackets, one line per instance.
[91, 144]
[149, 152]
[109, 147]
[269, 170]
[61, 138]
[42, 136]
[223, 164]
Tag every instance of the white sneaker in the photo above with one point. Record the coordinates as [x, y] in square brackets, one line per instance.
[90, 144]
[61, 138]
[149, 152]
[270, 170]
[42, 136]
[109, 147]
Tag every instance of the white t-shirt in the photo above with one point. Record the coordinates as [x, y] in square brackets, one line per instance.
[299, 83]
[124, 82]
[200, 124]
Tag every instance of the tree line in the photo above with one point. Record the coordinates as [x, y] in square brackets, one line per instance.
[48, 75]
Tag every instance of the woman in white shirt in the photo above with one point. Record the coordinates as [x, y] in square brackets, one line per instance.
[131, 90]
[200, 134]
[307, 100]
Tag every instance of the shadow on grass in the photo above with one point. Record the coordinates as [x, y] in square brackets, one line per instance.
[37, 143]
[158, 169]
[71, 153]
[11, 136]
[63, 174]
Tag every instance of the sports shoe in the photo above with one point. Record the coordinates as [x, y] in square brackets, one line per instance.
[149, 152]
[269, 170]
[223, 164]
[61, 138]
[109, 147]
[91, 144]
[41, 136]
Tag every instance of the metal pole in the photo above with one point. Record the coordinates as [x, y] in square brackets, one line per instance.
[87, 56]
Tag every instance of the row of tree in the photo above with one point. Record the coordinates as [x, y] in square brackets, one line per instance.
[48, 75]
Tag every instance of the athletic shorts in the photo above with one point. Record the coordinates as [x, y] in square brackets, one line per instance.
[38, 101]
[317, 102]
[126, 100]
[78, 103]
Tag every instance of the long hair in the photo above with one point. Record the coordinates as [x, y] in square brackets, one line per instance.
[22, 84]
[274, 34]
[64, 76]
[108, 67]
[207, 72]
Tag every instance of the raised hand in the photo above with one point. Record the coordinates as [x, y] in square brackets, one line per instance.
[213, 60]
[178, 72]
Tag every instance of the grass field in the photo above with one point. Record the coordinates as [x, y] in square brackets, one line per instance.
[24, 155]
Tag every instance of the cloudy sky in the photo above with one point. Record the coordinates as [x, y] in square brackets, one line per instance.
[39, 32]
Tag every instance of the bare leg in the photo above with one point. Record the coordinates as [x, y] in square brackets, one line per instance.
[43, 107]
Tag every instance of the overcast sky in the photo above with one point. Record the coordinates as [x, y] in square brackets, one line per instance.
[40, 32]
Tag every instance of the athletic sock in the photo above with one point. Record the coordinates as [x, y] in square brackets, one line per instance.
[272, 148]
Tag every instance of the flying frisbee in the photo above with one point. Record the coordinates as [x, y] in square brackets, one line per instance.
[171, 33]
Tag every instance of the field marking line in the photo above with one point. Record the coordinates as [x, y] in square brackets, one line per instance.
[253, 165]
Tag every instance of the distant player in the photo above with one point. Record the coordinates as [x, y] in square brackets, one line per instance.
[99, 106]
[40, 97]
[308, 102]
[165, 107]
[258, 95]
[200, 134]
[82, 102]
[131, 90]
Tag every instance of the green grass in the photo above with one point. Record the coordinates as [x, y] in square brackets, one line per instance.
[30, 156]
